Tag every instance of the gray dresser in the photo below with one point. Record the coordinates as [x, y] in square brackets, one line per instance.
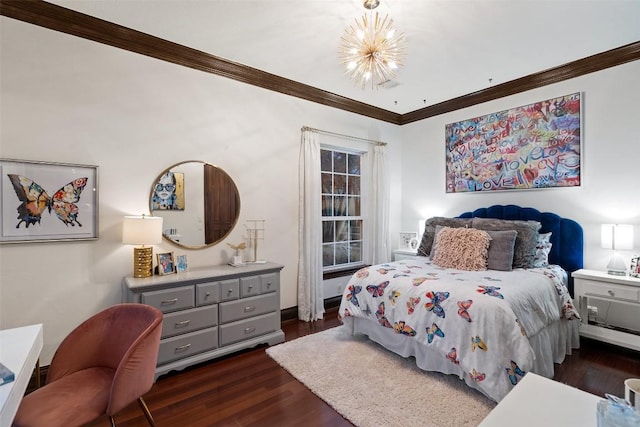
[210, 312]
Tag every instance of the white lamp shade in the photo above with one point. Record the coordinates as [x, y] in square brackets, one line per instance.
[618, 237]
[142, 230]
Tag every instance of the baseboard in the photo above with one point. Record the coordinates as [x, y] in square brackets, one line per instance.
[292, 312]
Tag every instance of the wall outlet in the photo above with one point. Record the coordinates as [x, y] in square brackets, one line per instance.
[592, 313]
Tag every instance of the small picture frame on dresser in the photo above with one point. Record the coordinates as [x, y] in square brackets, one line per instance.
[181, 263]
[166, 264]
[634, 271]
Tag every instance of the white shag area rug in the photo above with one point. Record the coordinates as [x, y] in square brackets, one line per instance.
[371, 386]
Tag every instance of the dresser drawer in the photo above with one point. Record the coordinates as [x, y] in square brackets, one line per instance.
[249, 328]
[249, 286]
[207, 293]
[168, 300]
[610, 290]
[186, 345]
[182, 322]
[269, 283]
[248, 307]
[229, 289]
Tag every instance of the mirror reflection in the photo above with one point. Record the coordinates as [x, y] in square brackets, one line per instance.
[199, 204]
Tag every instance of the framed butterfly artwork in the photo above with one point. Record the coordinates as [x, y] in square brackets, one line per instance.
[47, 202]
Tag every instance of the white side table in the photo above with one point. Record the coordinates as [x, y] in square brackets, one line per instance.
[538, 401]
[616, 289]
[400, 254]
[19, 351]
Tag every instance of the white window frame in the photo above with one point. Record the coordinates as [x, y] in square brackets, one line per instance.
[363, 210]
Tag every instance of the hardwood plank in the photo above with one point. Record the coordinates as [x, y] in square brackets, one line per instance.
[249, 389]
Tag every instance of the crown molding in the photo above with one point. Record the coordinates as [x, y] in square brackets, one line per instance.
[68, 21]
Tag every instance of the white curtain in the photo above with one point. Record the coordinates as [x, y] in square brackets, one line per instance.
[310, 296]
[379, 207]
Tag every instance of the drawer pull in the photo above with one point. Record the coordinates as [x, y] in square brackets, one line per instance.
[230, 291]
[169, 301]
[249, 330]
[183, 348]
[207, 294]
[249, 308]
[268, 284]
[250, 286]
[611, 293]
[183, 323]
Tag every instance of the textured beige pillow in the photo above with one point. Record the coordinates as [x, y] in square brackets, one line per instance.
[462, 248]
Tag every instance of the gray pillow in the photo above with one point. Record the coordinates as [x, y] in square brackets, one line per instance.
[526, 239]
[501, 249]
[430, 231]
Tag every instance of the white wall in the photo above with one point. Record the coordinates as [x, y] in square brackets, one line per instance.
[65, 99]
[611, 152]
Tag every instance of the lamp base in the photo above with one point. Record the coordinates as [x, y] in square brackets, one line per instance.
[616, 266]
[143, 262]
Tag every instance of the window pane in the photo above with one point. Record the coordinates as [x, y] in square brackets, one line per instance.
[356, 252]
[355, 228]
[327, 206]
[354, 206]
[354, 164]
[339, 162]
[339, 184]
[340, 206]
[342, 253]
[327, 255]
[327, 184]
[342, 231]
[354, 185]
[325, 160]
[327, 231]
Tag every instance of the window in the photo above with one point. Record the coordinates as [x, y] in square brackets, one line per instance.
[342, 220]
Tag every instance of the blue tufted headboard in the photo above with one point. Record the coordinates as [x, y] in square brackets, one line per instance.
[566, 235]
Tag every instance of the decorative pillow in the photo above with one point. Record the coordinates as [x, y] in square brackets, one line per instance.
[501, 249]
[543, 247]
[526, 240]
[462, 248]
[430, 231]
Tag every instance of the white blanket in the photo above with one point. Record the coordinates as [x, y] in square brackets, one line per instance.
[478, 321]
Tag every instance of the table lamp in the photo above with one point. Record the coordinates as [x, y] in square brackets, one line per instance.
[618, 237]
[142, 230]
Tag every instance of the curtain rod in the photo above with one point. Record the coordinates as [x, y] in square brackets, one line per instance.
[370, 141]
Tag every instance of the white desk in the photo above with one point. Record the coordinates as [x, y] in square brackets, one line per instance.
[19, 351]
[538, 401]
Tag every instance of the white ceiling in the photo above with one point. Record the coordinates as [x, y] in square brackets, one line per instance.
[454, 47]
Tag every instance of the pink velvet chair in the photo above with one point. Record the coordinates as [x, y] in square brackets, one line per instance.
[101, 367]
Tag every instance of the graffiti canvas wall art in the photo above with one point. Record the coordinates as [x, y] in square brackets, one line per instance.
[532, 146]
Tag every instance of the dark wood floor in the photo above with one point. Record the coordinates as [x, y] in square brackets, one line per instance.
[250, 389]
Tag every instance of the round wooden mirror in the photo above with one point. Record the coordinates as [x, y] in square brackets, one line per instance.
[199, 204]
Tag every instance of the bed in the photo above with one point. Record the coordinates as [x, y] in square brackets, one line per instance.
[487, 326]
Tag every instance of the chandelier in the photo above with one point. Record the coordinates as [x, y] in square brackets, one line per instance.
[372, 50]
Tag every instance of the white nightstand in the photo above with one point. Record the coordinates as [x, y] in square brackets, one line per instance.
[599, 286]
[399, 254]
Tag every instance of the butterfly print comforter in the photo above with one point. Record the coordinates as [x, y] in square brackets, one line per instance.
[477, 322]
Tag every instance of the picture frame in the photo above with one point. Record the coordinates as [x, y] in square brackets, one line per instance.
[47, 201]
[634, 270]
[181, 263]
[408, 240]
[166, 263]
[534, 146]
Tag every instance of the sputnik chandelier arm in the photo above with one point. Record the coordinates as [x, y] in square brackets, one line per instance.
[372, 49]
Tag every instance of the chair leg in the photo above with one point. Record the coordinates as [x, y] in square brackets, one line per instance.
[113, 421]
[146, 411]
